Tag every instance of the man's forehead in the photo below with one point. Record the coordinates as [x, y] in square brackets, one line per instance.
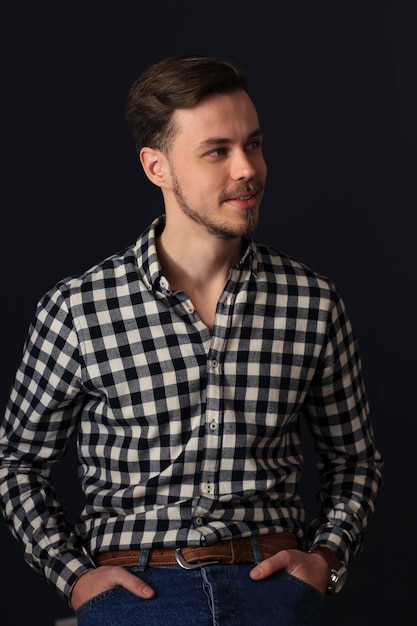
[218, 116]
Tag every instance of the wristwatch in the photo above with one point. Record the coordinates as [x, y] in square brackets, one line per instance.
[338, 570]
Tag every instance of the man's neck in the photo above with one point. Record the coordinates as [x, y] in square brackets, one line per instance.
[197, 261]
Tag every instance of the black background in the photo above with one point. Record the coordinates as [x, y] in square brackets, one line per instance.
[335, 88]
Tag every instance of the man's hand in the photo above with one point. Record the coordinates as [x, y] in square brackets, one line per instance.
[311, 568]
[106, 577]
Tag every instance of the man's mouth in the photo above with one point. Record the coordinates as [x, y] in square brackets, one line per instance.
[246, 202]
[244, 195]
[248, 197]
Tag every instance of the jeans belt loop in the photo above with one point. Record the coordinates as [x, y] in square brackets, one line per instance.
[257, 552]
[143, 559]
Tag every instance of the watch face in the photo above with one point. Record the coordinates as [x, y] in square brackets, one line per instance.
[337, 580]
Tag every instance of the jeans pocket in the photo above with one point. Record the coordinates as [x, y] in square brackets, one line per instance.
[100, 598]
[303, 585]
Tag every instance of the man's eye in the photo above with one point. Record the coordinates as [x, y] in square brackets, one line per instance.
[217, 152]
[253, 145]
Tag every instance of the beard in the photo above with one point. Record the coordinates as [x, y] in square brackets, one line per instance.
[218, 228]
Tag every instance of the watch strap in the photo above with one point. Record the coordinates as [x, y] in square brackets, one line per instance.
[337, 568]
[329, 555]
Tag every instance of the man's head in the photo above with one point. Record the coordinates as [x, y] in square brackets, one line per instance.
[175, 83]
[198, 138]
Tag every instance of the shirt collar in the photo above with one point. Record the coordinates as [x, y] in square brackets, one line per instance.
[145, 251]
[147, 258]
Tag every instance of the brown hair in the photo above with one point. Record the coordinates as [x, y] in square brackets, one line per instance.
[175, 83]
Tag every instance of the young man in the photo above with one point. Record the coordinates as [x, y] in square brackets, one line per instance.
[185, 364]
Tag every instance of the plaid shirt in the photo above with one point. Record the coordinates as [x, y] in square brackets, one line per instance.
[186, 437]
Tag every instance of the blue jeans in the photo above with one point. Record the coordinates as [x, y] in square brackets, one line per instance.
[215, 595]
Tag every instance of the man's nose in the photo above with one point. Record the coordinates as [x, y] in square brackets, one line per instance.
[242, 166]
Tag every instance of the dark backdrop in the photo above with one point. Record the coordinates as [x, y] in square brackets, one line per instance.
[335, 87]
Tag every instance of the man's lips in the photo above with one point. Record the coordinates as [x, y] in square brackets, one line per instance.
[246, 201]
[244, 194]
[242, 197]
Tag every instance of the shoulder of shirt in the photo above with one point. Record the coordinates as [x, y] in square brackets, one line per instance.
[106, 268]
[271, 259]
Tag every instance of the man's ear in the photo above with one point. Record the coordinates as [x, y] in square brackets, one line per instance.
[153, 162]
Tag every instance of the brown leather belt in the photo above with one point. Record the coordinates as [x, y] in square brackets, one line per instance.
[228, 551]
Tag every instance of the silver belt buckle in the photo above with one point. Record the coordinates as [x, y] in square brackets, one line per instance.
[185, 565]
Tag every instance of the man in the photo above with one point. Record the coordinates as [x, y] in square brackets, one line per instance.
[185, 364]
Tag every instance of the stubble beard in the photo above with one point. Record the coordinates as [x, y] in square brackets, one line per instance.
[221, 230]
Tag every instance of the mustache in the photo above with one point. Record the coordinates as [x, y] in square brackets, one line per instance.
[251, 186]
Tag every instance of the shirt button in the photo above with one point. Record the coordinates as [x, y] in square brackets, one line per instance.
[163, 282]
[213, 425]
[199, 521]
[214, 364]
[189, 307]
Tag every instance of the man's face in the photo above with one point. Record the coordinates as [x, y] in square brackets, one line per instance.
[217, 169]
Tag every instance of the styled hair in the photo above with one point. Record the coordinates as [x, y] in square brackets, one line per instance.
[175, 83]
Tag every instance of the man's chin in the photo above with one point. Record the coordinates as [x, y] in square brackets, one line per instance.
[228, 233]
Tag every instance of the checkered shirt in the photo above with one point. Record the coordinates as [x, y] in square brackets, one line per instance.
[186, 437]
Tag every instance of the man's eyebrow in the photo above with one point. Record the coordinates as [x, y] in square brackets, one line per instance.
[211, 141]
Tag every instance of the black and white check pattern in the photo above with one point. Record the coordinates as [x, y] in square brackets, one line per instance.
[186, 437]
